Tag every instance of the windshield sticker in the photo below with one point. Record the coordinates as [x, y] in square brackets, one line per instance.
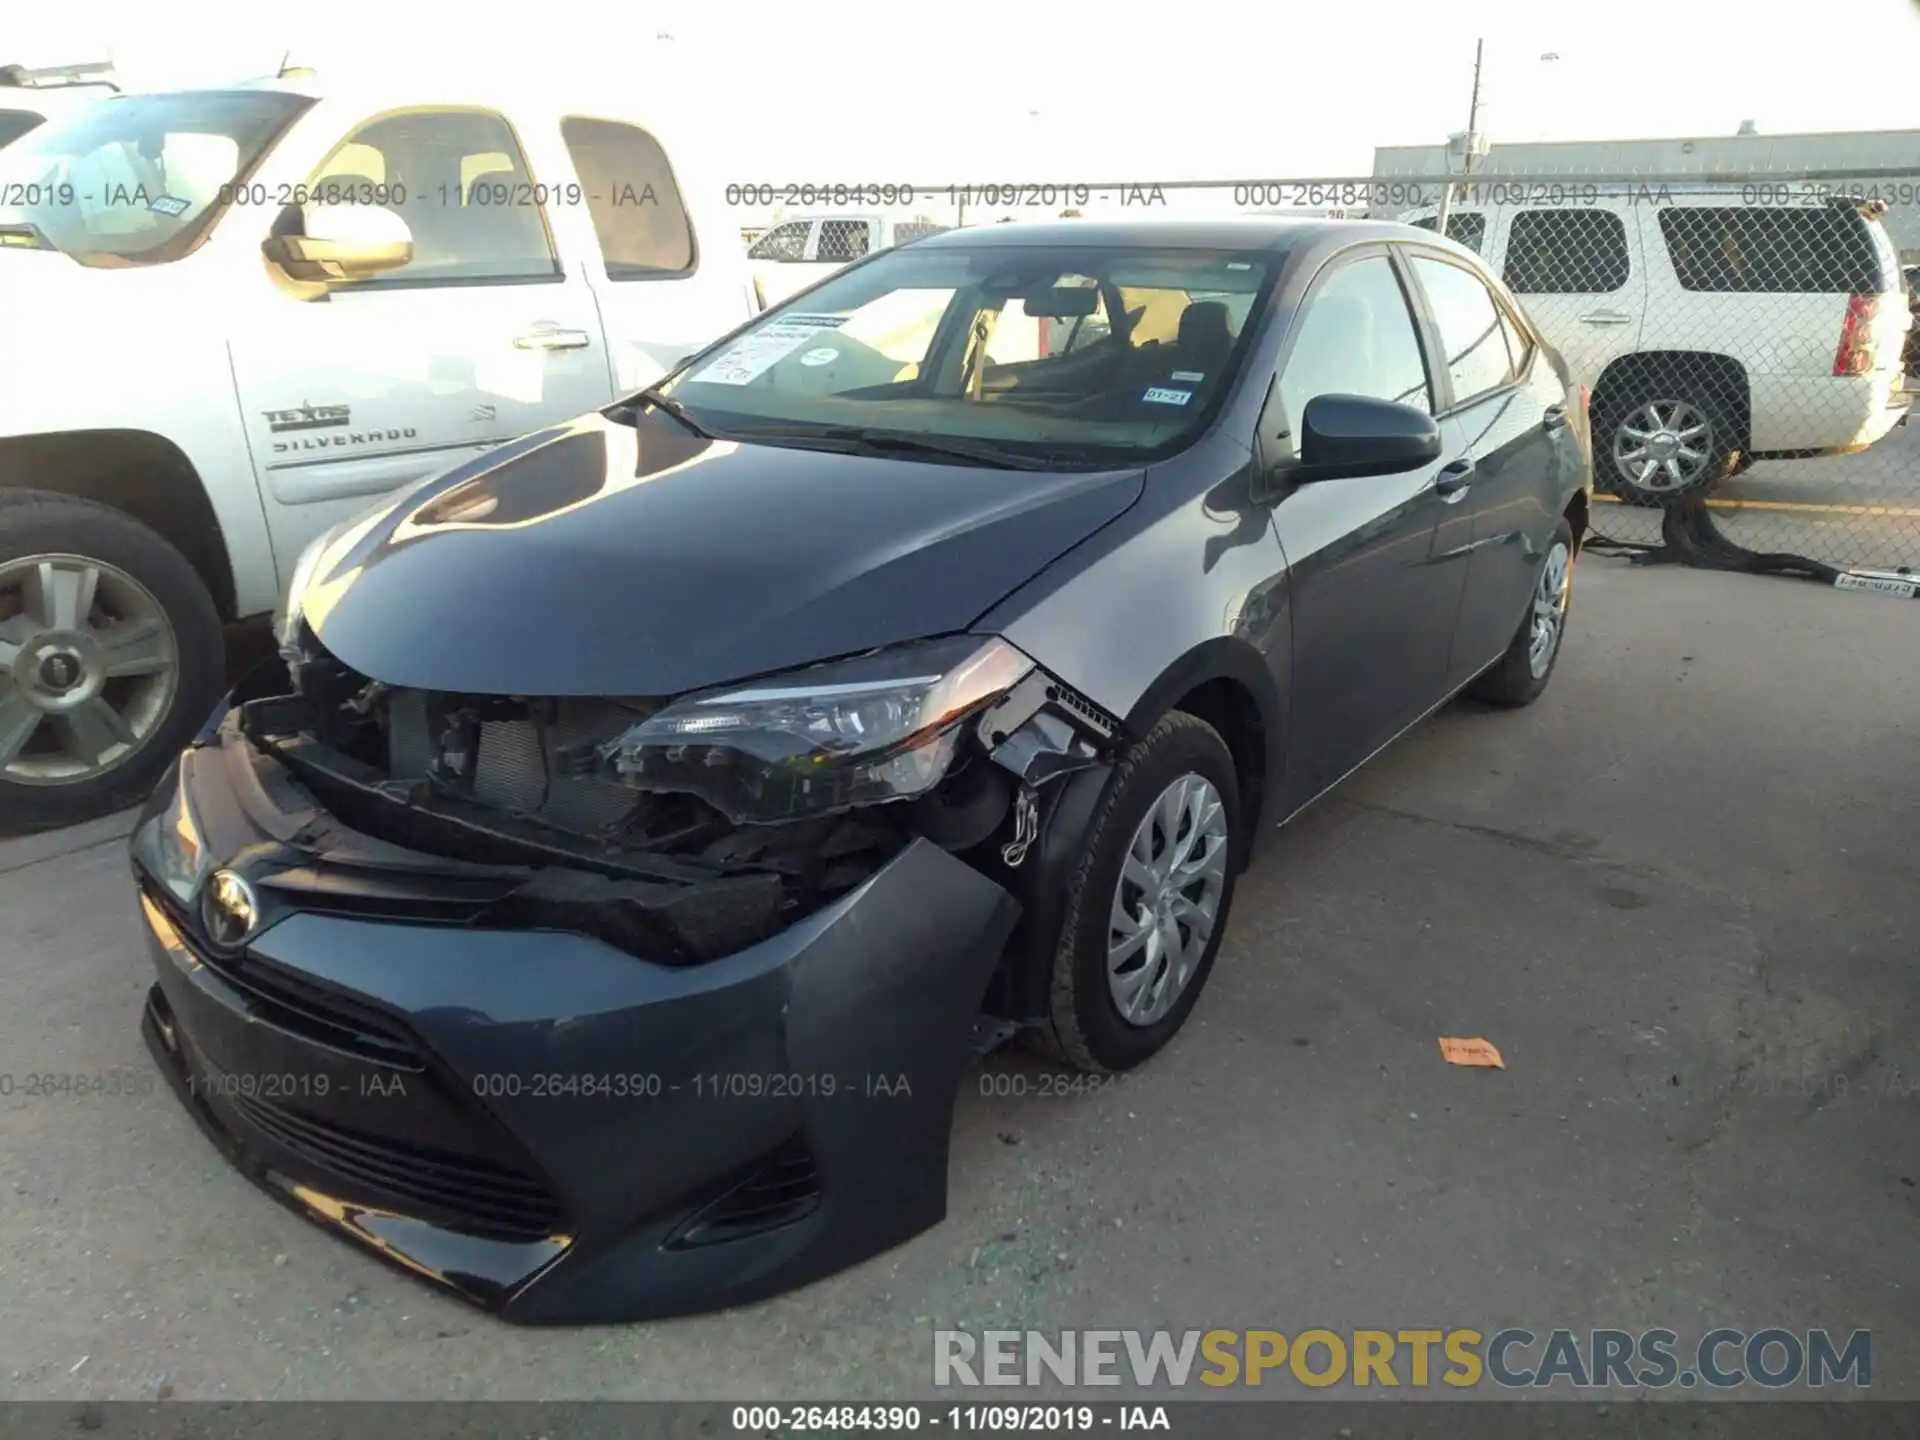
[825, 355]
[1239, 265]
[1193, 377]
[752, 355]
[1157, 396]
[169, 205]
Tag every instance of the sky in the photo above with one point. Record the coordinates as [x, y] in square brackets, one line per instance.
[874, 92]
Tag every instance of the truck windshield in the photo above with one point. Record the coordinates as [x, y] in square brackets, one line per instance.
[1061, 352]
[138, 179]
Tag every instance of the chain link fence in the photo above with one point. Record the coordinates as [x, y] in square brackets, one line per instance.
[1748, 341]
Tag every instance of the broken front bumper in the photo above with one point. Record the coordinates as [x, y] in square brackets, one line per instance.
[537, 1120]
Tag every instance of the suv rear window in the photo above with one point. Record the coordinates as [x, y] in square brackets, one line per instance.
[1774, 250]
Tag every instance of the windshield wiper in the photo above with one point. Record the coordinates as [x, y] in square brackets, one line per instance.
[669, 406]
[979, 452]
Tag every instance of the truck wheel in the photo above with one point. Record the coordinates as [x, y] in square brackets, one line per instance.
[111, 656]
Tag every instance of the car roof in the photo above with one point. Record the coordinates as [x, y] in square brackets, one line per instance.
[1236, 233]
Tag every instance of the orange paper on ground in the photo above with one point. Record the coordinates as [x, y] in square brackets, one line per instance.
[1456, 1051]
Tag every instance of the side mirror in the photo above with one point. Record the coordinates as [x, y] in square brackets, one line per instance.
[341, 242]
[1346, 436]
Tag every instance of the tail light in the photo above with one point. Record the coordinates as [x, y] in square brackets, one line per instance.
[1858, 347]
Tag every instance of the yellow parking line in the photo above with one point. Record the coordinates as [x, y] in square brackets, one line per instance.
[1891, 512]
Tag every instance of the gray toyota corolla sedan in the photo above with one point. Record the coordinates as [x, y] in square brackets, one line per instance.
[596, 913]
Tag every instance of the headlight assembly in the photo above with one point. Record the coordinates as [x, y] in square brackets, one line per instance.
[880, 727]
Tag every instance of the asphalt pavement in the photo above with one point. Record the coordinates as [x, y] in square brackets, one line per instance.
[1678, 894]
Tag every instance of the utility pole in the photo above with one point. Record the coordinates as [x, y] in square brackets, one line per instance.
[1473, 130]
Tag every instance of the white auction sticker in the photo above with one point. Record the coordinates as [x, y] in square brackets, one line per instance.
[1159, 396]
[751, 355]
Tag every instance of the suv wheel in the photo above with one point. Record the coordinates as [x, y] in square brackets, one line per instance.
[1658, 446]
[110, 657]
[1149, 903]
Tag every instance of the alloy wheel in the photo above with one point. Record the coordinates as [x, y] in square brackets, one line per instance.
[88, 668]
[1167, 899]
[1663, 447]
[1550, 598]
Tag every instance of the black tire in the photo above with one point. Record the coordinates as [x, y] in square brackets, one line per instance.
[1511, 680]
[1084, 1028]
[1723, 441]
[34, 522]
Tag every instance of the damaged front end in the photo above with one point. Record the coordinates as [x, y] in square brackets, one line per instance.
[608, 1008]
[686, 829]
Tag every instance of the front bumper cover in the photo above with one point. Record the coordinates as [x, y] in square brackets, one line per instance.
[539, 1122]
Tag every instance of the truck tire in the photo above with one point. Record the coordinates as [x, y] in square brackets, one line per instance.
[111, 657]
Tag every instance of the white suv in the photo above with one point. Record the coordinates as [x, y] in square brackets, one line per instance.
[236, 317]
[1714, 327]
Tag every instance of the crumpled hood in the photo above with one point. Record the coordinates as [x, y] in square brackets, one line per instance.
[599, 558]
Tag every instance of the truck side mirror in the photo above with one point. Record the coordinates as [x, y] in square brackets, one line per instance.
[327, 243]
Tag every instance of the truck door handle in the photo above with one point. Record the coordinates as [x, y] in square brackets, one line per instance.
[1454, 480]
[552, 337]
[1555, 417]
[1606, 317]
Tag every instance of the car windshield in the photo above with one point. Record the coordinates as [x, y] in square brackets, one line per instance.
[139, 179]
[1082, 353]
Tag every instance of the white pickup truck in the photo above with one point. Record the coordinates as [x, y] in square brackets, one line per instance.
[798, 252]
[236, 316]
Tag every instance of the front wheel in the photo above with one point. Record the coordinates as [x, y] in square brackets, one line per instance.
[1518, 677]
[1149, 903]
[110, 657]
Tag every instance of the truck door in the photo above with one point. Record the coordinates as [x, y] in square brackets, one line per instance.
[362, 387]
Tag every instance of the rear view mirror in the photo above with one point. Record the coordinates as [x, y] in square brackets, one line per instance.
[1344, 436]
[341, 242]
[1066, 302]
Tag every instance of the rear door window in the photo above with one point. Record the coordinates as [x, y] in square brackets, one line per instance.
[1774, 249]
[1566, 252]
[632, 198]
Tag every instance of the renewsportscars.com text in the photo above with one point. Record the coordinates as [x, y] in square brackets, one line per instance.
[1722, 1359]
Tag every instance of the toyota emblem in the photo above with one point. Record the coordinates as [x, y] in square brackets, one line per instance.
[230, 909]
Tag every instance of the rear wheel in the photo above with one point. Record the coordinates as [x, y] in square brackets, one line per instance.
[110, 657]
[1658, 444]
[1149, 903]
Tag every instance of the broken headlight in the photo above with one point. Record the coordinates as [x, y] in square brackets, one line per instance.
[883, 726]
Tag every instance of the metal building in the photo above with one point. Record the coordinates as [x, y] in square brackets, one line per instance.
[1879, 163]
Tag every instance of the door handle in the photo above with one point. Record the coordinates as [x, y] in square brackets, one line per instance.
[552, 337]
[1606, 317]
[1454, 480]
[1555, 417]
